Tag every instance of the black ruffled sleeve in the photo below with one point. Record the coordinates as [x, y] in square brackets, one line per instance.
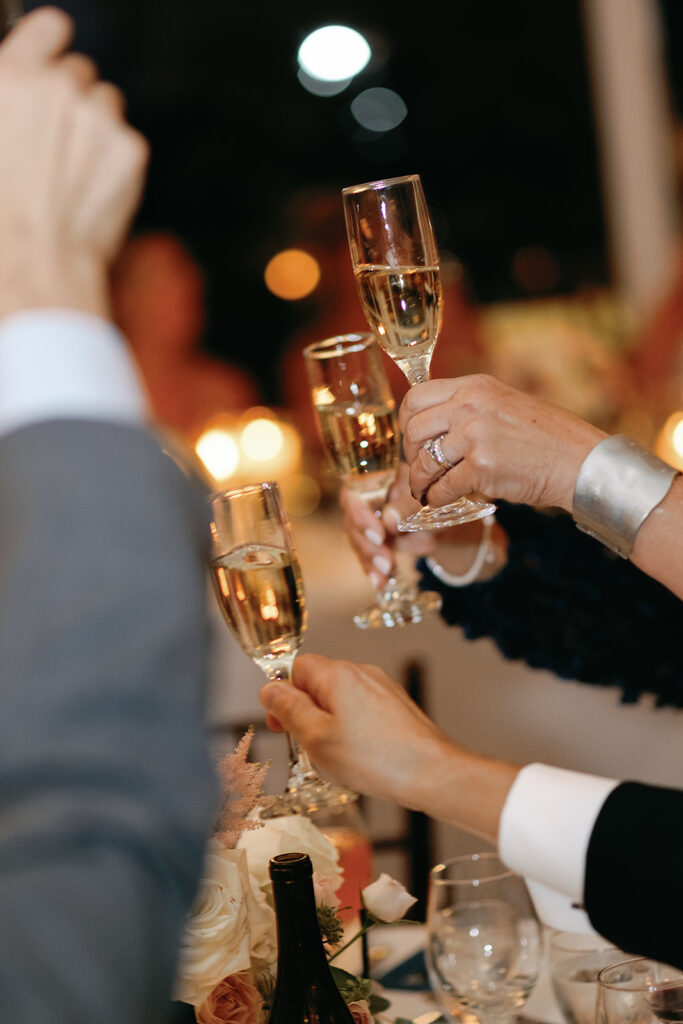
[565, 603]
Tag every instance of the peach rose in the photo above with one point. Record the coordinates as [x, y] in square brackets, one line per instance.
[234, 1000]
[360, 1011]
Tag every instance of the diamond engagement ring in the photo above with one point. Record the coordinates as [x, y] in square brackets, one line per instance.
[433, 448]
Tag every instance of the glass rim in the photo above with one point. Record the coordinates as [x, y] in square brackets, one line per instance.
[380, 183]
[565, 946]
[470, 858]
[339, 344]
[643, 986]
[262, 485]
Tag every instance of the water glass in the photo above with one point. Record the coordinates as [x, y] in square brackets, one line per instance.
[639, 991]
[575, 959]
[483, 939]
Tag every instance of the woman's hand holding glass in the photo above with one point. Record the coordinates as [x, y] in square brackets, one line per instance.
[396, 264]
[356, 416]
[377, 541]
[501, 441]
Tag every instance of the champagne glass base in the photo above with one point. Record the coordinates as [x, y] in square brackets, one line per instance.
[412, 606]
[466, 510]
[309, 797]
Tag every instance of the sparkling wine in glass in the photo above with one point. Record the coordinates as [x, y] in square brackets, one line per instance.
[356, 415]
[259, 587]
[396, 264]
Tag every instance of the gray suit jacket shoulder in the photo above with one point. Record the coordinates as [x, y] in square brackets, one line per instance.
[106, 789]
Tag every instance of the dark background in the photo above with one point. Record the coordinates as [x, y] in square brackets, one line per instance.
[499, 126]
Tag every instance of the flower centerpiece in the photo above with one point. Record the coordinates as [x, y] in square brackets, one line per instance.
[228, 956]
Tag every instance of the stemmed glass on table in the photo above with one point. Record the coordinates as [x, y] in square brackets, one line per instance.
[356, 415]
[483, 939]
[259, 586]
[639, 991]
[575, 960]
[396, 263]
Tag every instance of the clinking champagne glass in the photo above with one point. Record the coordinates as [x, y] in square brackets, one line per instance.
[356, 415]
[259, 586]
[396, 265]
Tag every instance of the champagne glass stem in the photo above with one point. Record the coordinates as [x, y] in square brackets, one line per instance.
[300, 767]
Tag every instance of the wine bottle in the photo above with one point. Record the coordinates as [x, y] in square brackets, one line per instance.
[305, 992]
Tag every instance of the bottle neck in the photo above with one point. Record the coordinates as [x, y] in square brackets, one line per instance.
[298, 930]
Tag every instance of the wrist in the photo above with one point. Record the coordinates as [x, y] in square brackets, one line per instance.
[619, 484]
[76, 281]
[458, 564]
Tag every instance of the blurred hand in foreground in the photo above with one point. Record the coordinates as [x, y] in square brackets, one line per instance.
[71, 170]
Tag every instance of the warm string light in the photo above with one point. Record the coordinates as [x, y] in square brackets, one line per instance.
[258, 446]
[669, 445]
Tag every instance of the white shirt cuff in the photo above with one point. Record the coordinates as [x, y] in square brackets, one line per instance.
[63, 364]
[545, 828]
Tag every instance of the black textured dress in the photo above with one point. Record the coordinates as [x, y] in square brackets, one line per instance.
[565, 603]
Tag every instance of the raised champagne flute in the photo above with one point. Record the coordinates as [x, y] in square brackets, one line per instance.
[356, 415]
[259, 586]
[396, 264]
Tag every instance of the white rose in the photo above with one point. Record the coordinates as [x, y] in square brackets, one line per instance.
[291, 834]
[386, 899]
[229, 922]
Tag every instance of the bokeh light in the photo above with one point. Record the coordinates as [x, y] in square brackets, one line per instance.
[334, 53]
[670, 441]
[378, 109]
[219, 452]
[292, 274]
[262, 439]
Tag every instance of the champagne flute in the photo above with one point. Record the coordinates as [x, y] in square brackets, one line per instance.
[357, 420]
[396, 265]
[259, 586]
[483, 939]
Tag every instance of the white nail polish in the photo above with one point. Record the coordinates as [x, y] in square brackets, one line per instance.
[375, 579]
[374, 537]
[382, 563]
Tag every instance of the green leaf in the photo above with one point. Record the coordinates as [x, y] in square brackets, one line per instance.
[378, 1003]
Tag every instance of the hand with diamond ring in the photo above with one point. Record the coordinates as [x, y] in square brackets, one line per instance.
[476, 434]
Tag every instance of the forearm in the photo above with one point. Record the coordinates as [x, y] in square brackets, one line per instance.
[462, 788]
[658, 548]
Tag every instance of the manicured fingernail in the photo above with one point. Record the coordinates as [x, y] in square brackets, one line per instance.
[392, 515]
[375, 579]
[382, 563]
[424, 500]
[373, 536]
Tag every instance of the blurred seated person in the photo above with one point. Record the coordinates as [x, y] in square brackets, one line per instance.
[315, 223]
[158, 301]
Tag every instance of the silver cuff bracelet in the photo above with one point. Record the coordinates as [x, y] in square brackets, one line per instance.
[618, 485]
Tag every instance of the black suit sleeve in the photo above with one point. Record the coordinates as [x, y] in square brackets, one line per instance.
[634, 871]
